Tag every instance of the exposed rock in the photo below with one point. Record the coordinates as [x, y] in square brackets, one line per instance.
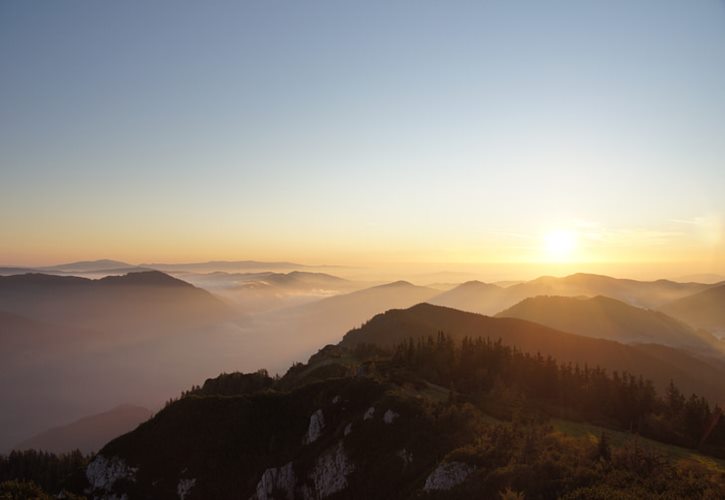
[317, 425]
[390, 416]
[276, 479]
[447, 475]
[406, 456]
[184, 487]
[370, 413]
[329, 475]
[102, 473]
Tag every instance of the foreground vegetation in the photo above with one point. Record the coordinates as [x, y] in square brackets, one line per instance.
[501, 379]
[517, 425]
[31, 474]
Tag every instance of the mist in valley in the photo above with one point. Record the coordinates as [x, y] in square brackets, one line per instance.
[86, 340]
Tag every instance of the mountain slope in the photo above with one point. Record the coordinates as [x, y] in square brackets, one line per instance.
[473, 296]
[360, 305]
[322, 322]
[88, 434]
[389, 435]
[265, 291]
[638, 293]
[312, 442]
[490, 299]
[71, 346]
[688, 371]
[705, 309]
[602, 317]
[88, 266]
[120, 304]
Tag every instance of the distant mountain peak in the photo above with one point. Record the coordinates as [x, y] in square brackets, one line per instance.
[143, 278]
[397, 284]
[472, 283]
[90, 265]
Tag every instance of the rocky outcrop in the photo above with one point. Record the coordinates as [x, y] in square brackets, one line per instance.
[317, 425]
[184, 487]
[447, 475]
[103, 473]
[390, 416]
[275, 480]
[329, 475]
[406, 456]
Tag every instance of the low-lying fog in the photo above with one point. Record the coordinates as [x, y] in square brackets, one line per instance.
[71, 348]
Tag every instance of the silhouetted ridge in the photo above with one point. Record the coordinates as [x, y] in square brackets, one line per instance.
[393, 327]
[396, 284]
[41, 279]
[473, 284]
[608, 318]
[150, 278]
[89, 265]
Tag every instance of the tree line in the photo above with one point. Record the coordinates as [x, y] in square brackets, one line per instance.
[502, 378]
[28, 473]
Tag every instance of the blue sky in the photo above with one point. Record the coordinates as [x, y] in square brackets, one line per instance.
[354, 131]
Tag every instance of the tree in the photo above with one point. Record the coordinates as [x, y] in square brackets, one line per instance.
[604, 450]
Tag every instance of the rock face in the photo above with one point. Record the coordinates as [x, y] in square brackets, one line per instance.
[390, 416]
[327, 477]
[447, 475]
[370, 413]
[184, 487]
[317, 425]
[276, 479]
[102, 473]
[330, 473]
[406, 456]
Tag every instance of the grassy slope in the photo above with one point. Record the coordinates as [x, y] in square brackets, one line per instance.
[618, 438]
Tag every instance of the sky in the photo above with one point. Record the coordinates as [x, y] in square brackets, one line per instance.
[575, 133]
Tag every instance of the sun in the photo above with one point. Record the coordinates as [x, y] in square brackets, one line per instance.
[560, 244]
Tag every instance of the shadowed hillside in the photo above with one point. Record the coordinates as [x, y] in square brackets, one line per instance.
[120, 304]
[389, 433]
[391, 328]
[71, 347]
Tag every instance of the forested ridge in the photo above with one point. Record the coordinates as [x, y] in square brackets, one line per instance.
[498, 378]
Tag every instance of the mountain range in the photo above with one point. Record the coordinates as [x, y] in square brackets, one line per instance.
[606, 318]
[705, 309]
[354, 425]
[158, 333]
[72, 346]
[123, 304]
[490, 299]
[655, 362]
